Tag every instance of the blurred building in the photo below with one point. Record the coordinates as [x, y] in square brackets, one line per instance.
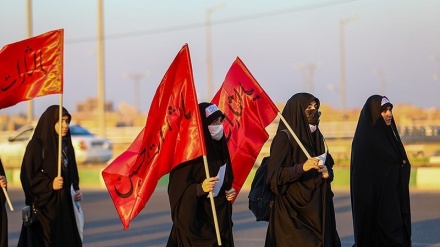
[91, 105]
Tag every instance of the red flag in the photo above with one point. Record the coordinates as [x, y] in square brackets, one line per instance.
[31, 68]
[172, 135]
[248, 111]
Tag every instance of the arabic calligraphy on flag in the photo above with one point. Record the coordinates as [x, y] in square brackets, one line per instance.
[31, 68]
[248, 111]
[171, 136]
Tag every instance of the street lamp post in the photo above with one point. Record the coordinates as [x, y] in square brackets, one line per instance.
[209, 48]
[433, 57]
[342, 24]
[382, 79]
[101, 70]
[136, 80]
[308, 74]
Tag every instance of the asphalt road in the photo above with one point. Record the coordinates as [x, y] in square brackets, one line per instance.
[152, 226]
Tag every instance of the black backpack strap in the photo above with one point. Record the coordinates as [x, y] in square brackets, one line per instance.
[290, 140]
[287, 132]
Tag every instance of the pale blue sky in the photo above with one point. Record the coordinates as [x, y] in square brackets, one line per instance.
[395, 38]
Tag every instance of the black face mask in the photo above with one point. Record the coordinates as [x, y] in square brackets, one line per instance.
[313, 116]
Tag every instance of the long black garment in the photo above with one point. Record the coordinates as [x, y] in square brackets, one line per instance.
[302, 213]
[379, 181]
[57, 225]
[191, 211]
[3, 214]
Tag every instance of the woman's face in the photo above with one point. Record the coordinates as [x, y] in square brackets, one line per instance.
[312, 105]
[64, 126]
[387, 115]
[218, 121]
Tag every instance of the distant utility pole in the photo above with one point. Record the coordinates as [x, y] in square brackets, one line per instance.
[209, 66]
[382, 80]
[342, 24]
[101, 70]
[30, 103]
[308, 75]
[137, 77]
[433, 57]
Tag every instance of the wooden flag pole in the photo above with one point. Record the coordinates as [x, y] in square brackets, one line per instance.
[211, 197]
[7, 199]
[60, 133]
[294, 135]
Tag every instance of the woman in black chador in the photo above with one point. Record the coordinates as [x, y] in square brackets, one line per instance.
[379, 179]
[42, 187]
[3, 215]
[188, 188]
[302, 212]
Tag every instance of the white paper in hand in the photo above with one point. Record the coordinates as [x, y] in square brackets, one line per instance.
[323, 156]
[79, 215]
[221, 177]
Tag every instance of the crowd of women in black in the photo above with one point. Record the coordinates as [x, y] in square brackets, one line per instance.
[299, 173]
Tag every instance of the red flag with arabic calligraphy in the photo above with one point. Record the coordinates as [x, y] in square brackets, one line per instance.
[248, 111]
[31, 68]
[172, 135]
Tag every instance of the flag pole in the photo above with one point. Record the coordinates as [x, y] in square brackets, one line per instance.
[60, 133]
[211, 197]
[294, 135]
[7, 198]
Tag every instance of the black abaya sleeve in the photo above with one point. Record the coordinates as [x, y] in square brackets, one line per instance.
[37, 180]
[184, 202]
[280, 170]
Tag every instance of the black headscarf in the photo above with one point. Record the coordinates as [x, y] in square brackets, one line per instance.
[294, 113]
[217, 150]
[45, 132]
[372, 131]
[379, 179]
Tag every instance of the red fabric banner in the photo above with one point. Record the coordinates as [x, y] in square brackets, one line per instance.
[173, 134]
[248, 111]
[31, 68]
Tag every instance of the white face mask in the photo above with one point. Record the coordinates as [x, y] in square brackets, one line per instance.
[312, 128]
[216, 131]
